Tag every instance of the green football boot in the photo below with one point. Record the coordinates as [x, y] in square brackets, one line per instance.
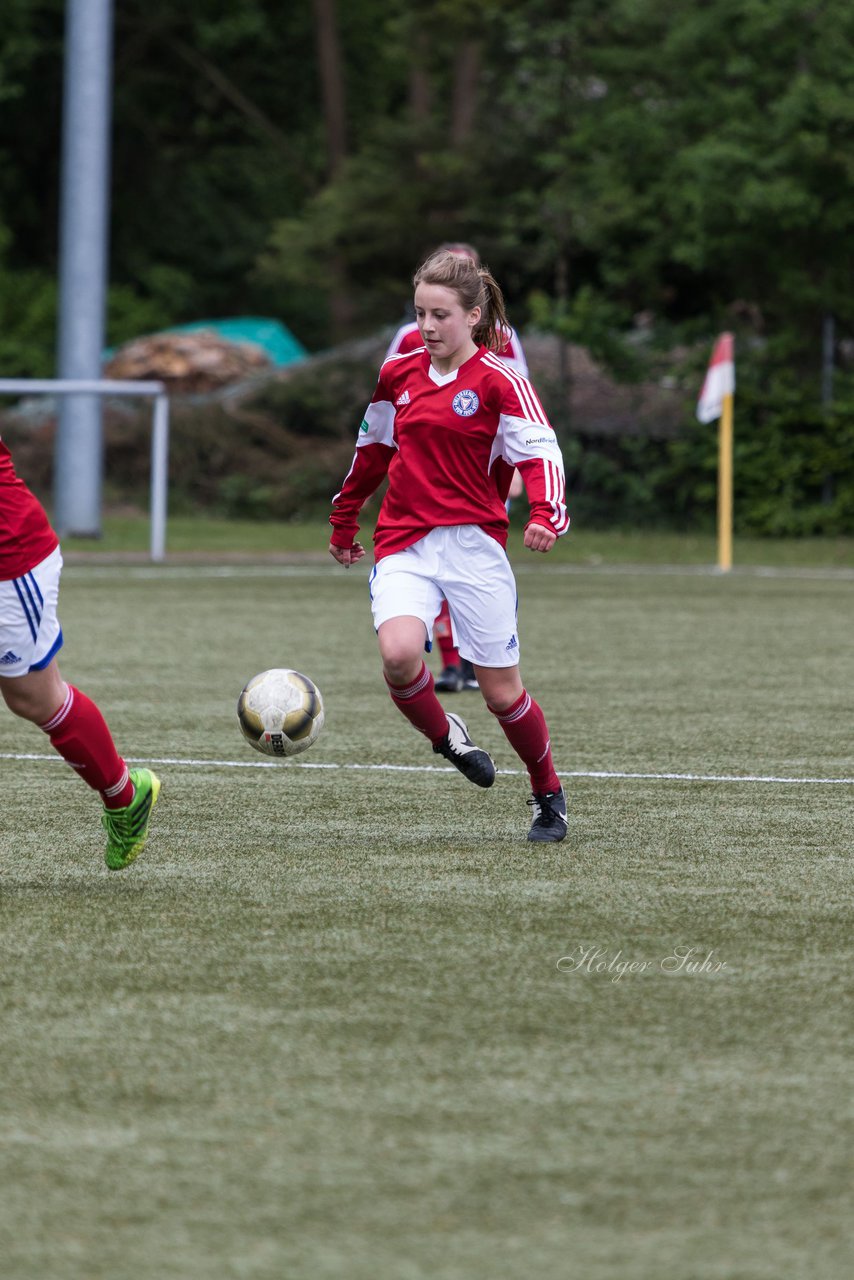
[127, 828]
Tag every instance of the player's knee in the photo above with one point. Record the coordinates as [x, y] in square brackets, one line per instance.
[401, 649]
[31, 699]
[400, 667]
[501, 687]
[400, 655]
[20, 700]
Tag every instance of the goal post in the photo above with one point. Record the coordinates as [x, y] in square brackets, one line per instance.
[159, 432]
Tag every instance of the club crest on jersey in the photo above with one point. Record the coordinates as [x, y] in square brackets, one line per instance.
[466, 403]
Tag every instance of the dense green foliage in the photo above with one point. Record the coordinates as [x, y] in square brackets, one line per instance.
[793, 475]
[686, 164]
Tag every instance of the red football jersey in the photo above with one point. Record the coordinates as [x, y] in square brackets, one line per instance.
[449, 444]
[408, 338]
[26, 537]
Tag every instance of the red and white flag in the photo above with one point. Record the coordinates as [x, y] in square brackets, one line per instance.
[720, 380]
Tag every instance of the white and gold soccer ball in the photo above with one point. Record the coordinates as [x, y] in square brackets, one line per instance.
[280, 712]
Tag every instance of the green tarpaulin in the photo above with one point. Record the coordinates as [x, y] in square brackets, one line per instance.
[271, 335]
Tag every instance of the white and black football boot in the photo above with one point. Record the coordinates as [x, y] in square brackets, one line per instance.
[477, 765]
[549, 816]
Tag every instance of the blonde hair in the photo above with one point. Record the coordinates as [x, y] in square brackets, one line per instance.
[474, 286]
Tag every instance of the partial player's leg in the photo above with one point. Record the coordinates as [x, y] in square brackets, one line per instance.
[35, 695]
[525, 728]
[405, 600]
[79, 733]
[407, 677]
[410, 685]
[33, 688]
[482, 598]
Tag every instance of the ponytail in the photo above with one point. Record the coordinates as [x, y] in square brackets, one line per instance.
[492, 330]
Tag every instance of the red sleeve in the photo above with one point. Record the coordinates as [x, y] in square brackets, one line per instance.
[544, 484]
[368, 470]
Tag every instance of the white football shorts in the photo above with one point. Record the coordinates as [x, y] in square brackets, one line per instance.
[30, 634]
[463, 565]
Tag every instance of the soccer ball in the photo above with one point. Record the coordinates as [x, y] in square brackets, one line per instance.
[280, 712]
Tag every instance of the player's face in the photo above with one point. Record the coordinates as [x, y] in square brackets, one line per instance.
[444, 325]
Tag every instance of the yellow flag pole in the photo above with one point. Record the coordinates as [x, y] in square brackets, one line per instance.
[725, 486]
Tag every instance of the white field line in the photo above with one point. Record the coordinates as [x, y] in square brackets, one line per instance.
[596, 774]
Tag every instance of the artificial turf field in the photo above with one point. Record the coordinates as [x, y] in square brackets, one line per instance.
[336, 1021]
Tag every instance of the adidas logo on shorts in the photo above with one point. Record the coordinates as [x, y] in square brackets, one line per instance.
[9, 658]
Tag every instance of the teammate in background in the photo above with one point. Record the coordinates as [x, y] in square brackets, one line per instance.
[448, 423]
[30, 682]
[457, 672]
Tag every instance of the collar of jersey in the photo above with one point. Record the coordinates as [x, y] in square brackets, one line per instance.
[442, 379]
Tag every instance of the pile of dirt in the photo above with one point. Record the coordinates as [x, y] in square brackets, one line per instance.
[188, 363]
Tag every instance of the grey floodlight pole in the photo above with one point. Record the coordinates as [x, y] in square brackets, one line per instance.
[83, 248]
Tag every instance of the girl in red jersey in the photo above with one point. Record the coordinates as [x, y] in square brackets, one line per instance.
[448, 424]
[457, 673]
[30, 681]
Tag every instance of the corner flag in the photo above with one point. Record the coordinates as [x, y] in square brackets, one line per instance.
[719, 381]
[716, 402]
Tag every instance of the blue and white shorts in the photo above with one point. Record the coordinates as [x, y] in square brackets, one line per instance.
[30, 634]
[469, 569]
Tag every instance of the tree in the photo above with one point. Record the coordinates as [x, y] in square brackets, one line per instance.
[667, 156]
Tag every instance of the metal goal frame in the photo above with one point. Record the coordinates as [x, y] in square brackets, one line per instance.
[159, 432]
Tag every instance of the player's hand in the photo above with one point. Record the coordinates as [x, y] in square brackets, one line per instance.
[347, 555]
[539, 538]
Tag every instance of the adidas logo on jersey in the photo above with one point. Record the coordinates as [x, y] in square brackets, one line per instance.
[402, 399]
[9, 657]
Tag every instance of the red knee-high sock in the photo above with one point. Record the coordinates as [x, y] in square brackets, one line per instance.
[80, 734]
[444, 634]
[526, 730]
[419, 704]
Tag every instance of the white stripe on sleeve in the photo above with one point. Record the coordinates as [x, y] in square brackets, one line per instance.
[528, 398]
[378, 425]
[520, 440]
